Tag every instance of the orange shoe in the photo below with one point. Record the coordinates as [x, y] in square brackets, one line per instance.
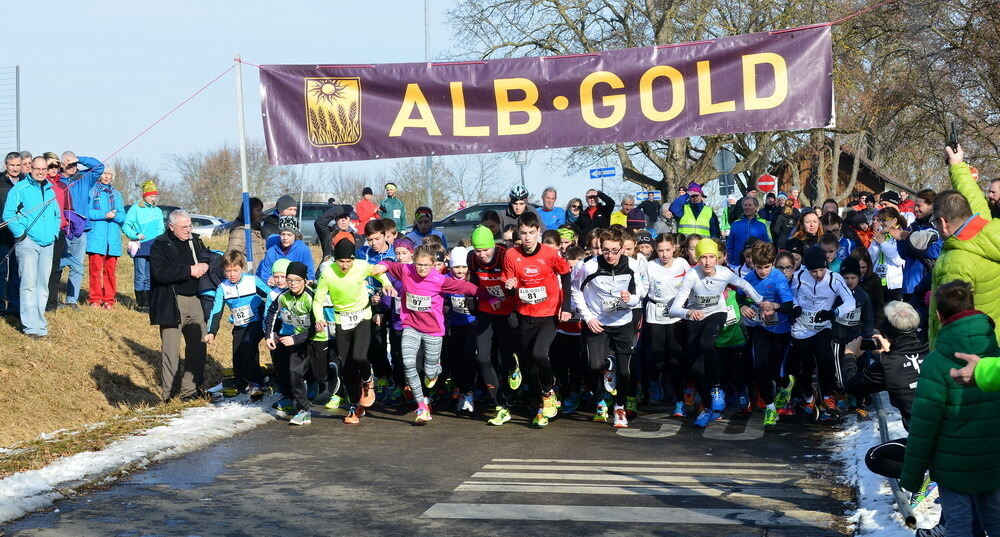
[367, 394]
[354, 416]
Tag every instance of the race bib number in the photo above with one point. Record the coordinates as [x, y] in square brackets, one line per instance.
[730, 315]
[808, 321]
[242, 315]
[771, 319]
[700, 302]
[418, 302]
[460, 305]
[298, 321]
[396, 213]
[852, 318]
[496, 291]
[350, 319]
[611, 305]
[880, 270]
[532, 295]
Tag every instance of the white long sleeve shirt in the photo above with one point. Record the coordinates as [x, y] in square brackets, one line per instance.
[596, 289]
[814, 296]
[664, 281]
[705, 292]
[887, 263]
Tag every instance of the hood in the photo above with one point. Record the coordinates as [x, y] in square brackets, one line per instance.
[970, 332]
[984, 244]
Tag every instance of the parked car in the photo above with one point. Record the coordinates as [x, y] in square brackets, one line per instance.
[310, 212]
[204, 224]
[459, 224]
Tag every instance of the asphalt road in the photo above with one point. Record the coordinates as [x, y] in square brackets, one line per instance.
[458, 476]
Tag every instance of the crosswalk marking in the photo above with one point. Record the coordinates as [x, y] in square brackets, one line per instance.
[649, 463]
[668, 479]
[644, 469]
[637, 490]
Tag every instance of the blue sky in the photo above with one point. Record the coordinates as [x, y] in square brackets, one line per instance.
[108, 69]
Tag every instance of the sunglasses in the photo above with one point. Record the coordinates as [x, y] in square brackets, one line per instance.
[53, 166]
[574, 206]
[72, 165]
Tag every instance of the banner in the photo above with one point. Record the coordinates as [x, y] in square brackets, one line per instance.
[746, 83]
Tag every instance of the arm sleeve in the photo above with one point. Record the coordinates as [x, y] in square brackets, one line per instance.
[988, 374]
[677, 309]
[713, 225]
[119, 214]
[606, 200]
[321, 294]
[10, 208]
[264, 268]
[845, 295]
[94, 211]
[216, 313]
[565, 283]
[271, 317]
[928, 411]
[577, 294]
[745, 286]
[677, 206]
[962, 181]
[94, 170]
[454, 286]
[130, 227]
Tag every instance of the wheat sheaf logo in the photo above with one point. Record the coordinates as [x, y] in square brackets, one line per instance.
[333, 111]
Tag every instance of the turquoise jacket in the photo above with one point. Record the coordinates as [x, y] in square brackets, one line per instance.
[105, 235]
[143, 219]
[30, 203]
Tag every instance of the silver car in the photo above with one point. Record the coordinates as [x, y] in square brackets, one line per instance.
[204, 224]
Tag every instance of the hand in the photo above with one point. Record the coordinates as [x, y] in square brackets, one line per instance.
[209, 338]
[956, 156]
[510, 283]
[287, 341]
[967, 375]
[565, 316]
[882, 343]
[142, 237]
[109, 215]
[625, 296]
[696, 315]
[769, 307]
[270, 343]
[853, 347]
[748, 312]
[377, 319]
[270, 281]
[899, 233]
[824, 315]
[796, 311]
[595, 326]
[198, 270]
[321, 325]
[390, 292]
[375, 299]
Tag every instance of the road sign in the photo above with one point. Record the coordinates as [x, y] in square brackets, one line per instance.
[725, 161]
[648, 195]
[766, 182]
[600, 173]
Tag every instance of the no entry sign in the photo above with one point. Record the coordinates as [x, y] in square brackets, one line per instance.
[766, 182]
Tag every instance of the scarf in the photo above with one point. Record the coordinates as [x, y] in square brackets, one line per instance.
[101, 188]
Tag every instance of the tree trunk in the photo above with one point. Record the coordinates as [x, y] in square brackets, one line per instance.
[856, 165]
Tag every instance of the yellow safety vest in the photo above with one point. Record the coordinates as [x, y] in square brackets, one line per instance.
[701, 225]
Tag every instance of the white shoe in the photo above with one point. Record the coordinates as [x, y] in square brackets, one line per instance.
[621, 422]
[466, 405]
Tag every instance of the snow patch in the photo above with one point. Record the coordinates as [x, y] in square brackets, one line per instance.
[194, 428]
[876, 513]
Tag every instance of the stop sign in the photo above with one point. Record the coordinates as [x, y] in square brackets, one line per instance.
[766, 182]
[975, 174]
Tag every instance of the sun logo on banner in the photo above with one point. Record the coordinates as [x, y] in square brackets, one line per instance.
[333, 111]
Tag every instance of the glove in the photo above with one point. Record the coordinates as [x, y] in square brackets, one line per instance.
[796, 311]
[824, 315]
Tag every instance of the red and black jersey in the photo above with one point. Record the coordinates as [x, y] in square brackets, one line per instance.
[490, 278]
[539, 290]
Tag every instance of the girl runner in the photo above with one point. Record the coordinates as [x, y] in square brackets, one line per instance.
[665, 275]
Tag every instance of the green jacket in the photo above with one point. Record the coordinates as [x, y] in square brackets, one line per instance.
[972, 254]
[955, 430]
[393, 208]
[732, 334]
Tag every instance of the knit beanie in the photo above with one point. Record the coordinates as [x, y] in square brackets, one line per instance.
[149, 189]
[280, 266]
[795, 246]
[459, 257]
[343, 245]
[288, 223]
[284, 202]
[296, 268]
[814, 258]
[403, 242]
[706, 246]
[482, 238]
[850, 266]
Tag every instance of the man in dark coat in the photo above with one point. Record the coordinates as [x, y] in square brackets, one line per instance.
[285, 206]
[597, 214]
[177, 259]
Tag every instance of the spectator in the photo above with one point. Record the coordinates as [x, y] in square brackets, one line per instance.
[749, 225]
[919, 251]
[237, 235]
[324, 226]
[620, 217]
[870, 282]
[993, 197]
[796, 199]
[953, 430]
[517, 206]
[290, 247]
[79, 183]
[892, 199]
[573, 210]
[104, 243]
[784, 223]
[906, 205]
[598, 212]
[693, 216]
[366, 208]
[177, 259]
[59, 259]
[664, 222]
[869, 209]
[770, 209]
[392, 207]
[143, 223]
[551, 216]
[9, 280]
[491, 219]
[285, 206]
[807, 229]
[422, 221]
[32, 215]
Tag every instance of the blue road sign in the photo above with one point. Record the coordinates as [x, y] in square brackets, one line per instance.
[600, 173]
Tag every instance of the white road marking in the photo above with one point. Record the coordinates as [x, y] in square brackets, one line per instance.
[754, 429]
[712, 464]
[664, 479]
[701, 470]
[636, 490]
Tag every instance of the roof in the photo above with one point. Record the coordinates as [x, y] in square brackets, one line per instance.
[875, 170]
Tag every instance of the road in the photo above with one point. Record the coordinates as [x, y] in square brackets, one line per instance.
[458, 476]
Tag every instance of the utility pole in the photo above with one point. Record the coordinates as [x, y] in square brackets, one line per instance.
[521, 159]
[428, 165]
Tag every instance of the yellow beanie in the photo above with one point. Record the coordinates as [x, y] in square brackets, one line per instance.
[149, 189]
[706, 246]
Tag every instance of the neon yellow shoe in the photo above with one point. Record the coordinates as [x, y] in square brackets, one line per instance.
[503, 416]
[540, 420]
[334, 403]
[784, 394]
[514, 380]
[430, 382]
[770, 417]
[550, 405]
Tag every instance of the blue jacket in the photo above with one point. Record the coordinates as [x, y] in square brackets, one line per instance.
[915, 272]
[775, 289]
[145, 220]
[418, 238]
[105, 235]
[740, 231]
[26, 201]
[677, 208]
[552, 219]
[298, 251]
[81, 183]
[245, 299]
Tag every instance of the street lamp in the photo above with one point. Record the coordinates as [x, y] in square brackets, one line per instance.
[521, 159]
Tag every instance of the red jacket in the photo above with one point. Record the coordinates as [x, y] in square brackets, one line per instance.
[367, 211]
[62, 198]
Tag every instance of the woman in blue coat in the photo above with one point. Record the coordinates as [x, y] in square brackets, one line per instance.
[104, 243]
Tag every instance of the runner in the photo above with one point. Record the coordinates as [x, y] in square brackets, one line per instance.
[665, 275]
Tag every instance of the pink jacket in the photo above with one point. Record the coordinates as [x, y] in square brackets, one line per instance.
[422, 299]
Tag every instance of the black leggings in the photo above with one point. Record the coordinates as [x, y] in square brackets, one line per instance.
[701, 344]
[667, 354]
[535, 336]
[488, 327]
[768, 351]
[280, 360]
[460, 346]
[815, 353]
[352, 348]
[309, 356]
[246, 353]
[616, 340]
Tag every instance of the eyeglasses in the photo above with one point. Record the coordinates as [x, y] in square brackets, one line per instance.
[605, 251]
[294, 279]
[784, 268]
[574, 206]
[72, 164]
[175, 226]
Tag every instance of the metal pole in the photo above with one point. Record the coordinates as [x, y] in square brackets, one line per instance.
[428, 166]
[243, 163]
[17, 102]
[522, 174]
[902, 502]
[302, 192]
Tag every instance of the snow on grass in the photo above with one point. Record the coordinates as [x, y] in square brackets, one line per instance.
[876, 513]
[194, 428]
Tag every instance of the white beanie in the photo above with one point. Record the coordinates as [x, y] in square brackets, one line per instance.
[459, 257]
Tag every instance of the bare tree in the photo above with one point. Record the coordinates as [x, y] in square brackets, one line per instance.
[130, 174]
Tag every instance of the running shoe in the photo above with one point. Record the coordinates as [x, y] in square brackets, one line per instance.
[514, 380]
[784, 394]
[381, 388]
[502, 416]
[936, 531]
[540, 419]
[789, 410]
[631, 407]
[610, 382]
[759, 402]
[718, 399]
[304, 417]
[284, 405]
[809, 409]
[367, 394]
[841, 402]
[601, 414]
[466, 404]
[679, 411]
[705, 417]
[430, 382]
[256, 391]
[334, 402]
[743, 407]
[354, 415]
[550, 405]
[828, 412]
[423, 413]
[689, 393]
[770, 417]
[862, 414]
[655, 391]
[570, 404]
[621, 420]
